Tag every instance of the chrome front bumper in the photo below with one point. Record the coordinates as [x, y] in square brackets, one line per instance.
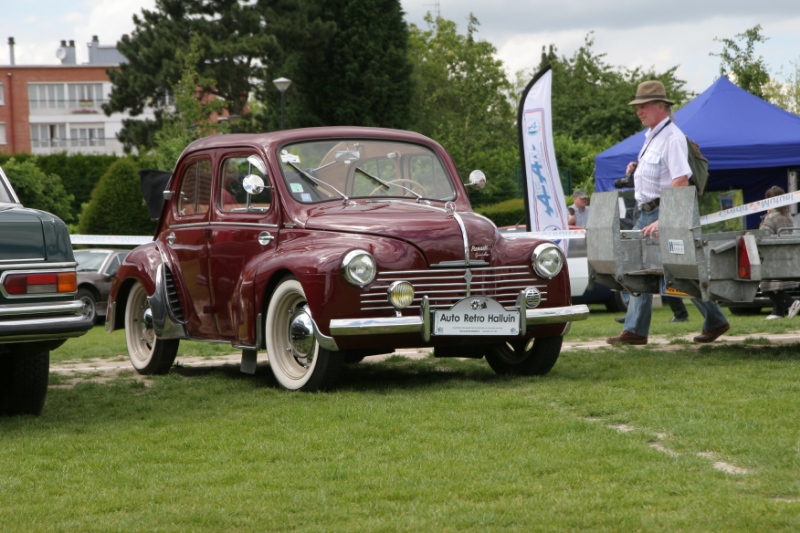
[423, 324]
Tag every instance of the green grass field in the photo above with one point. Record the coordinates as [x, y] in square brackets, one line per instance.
[683, 438]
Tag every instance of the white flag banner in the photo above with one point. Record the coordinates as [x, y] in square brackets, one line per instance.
[544, 197]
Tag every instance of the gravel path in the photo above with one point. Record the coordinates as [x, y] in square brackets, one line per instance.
[105, 369]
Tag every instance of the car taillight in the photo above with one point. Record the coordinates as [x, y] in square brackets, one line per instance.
[743, 263]
[36, 283]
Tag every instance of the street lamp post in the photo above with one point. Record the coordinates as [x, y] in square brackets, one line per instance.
[282, 84]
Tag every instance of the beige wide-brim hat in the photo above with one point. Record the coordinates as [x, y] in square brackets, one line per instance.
[651, 91]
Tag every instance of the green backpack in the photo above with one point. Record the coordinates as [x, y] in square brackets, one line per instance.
[699, 166]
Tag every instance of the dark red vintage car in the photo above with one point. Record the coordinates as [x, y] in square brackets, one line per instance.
[317, 247]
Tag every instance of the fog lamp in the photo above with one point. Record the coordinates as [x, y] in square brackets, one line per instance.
[401, 294]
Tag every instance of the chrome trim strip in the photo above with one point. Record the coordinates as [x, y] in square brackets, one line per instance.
[39, 266]
[248, 224]
[53, 308]
[371, 326]
[190, 225]
[11, 261]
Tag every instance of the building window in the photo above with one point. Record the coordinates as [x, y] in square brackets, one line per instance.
[2, 95]
[87, 135]
[85, 97]
[46, 96]
[49, 136]
[3, 134]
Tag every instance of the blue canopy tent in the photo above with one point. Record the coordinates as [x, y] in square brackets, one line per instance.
[750, 144]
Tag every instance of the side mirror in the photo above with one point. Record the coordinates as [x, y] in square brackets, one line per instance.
[253, 184]
[477, 180]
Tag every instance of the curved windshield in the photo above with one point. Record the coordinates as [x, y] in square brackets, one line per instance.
[335, 169]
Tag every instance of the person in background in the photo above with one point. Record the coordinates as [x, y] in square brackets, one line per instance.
[662, 162]
[675, 303]
[783, 305]
[579, 210]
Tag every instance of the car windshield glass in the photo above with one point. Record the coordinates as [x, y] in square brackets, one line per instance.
[90, 260]
[318, 171]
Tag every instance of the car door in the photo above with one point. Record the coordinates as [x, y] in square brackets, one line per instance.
[187, 243]
[242, 228]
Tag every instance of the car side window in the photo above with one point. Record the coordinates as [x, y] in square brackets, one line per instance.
[232, 196]
[195, 189]
[113, 265]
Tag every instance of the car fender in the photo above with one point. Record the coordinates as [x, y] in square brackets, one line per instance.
[140, 265]
[322, 279]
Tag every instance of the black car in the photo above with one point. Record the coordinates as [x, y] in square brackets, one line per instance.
[96, 271]
[39, 308]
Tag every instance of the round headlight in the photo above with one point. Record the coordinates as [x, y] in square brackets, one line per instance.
[359, 268]
[401, 294]
[547, 260]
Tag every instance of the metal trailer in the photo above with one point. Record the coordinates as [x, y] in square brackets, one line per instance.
[722, 267]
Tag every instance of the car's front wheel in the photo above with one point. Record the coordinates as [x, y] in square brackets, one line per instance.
[23, 382]
[525, 357]
[296, 359]
[148, 354]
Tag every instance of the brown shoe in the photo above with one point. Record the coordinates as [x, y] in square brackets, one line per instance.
[711, 336]
[626, 337]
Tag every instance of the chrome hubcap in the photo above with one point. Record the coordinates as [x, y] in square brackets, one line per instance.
[301, 335]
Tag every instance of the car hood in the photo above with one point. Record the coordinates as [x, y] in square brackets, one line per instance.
[432, 229]
[32, 235]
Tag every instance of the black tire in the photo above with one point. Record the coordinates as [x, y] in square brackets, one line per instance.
[353, 358]
[526, 357]
[618, 303]
[296, 359]
[148, 354]
[23, 382]
[89, 304]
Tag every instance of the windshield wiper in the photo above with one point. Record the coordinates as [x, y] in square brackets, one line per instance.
[315, 181]
[386, 185]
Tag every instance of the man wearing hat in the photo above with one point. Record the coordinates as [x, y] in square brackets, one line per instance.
[579, 210]
[663, 162]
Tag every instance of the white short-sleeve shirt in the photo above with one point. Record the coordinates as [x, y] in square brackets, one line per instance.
[663, 158]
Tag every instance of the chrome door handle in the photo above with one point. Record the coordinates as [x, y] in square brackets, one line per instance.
[264, 238]
[171, 238]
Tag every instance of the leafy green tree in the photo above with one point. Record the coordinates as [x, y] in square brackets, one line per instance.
[235, 41]
[785, 92]
[353, 71]
[39, 190]
[79, 172]
[590, 97]
[739, 59]
[577, 155]
[191, 119]
[461, 99]
[116, 206]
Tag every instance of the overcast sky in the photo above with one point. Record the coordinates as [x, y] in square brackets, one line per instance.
[630, 32]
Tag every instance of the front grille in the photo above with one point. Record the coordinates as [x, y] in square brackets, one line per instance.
[445, 287]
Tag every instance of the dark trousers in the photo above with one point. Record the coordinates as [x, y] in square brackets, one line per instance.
[676, 304]
[781, 302]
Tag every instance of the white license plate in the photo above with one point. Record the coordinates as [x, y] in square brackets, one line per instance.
[476, 315]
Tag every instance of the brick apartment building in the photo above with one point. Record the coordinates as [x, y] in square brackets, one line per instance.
[48, 109]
